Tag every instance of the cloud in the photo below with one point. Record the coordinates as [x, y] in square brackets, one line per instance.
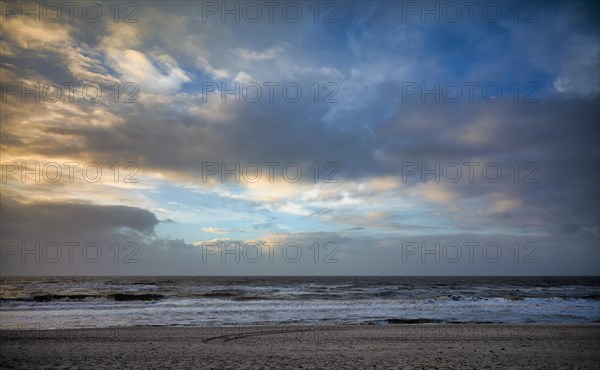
[370, 134]
[47, 220]
[504, 205]
[216, 230]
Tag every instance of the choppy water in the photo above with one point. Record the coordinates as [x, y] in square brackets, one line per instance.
[70, 302]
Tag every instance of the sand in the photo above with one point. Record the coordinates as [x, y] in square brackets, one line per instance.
[413, 346]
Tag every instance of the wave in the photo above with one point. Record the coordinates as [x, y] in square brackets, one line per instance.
[119, 297]
[413, 321]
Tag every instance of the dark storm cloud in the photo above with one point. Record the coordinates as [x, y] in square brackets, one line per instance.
[47, 220]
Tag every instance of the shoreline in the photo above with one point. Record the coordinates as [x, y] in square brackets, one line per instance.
[308, 346]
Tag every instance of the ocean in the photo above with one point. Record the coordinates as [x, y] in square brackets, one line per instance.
[99, 302]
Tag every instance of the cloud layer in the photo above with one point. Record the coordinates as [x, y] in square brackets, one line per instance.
[400, 133]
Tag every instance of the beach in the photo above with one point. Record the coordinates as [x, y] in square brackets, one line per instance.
[412, 346]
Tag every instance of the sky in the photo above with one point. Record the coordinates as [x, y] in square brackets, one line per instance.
[300, 138]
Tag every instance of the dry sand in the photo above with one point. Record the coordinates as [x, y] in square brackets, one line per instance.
[416, 346]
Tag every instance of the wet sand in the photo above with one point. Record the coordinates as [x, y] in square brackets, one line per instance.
[407, 346]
